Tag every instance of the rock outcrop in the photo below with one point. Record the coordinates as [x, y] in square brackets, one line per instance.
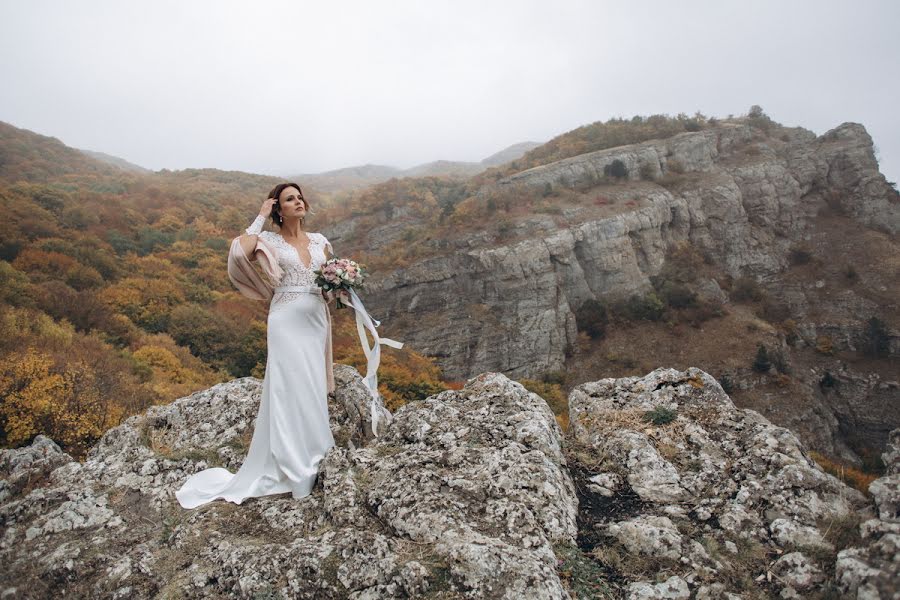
[744, 210]
[872, 570]
[465, 491]
[471, 493]
[715, 501]
[746, 201]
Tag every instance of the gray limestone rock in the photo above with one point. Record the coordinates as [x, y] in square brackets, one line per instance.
[470, 493]
[509, 306]
[872, 570]
[891, 455]
[711, 486]
[798, 571]
[673, 588]
[29, 466]
[464, 494]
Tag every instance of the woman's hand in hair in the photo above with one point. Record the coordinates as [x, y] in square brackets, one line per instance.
[266, 209]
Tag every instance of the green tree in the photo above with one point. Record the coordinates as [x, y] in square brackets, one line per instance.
[762, 364]
[647, 308]
[208, 336]
[120, 243]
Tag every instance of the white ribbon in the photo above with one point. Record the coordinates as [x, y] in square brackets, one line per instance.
[373, 354]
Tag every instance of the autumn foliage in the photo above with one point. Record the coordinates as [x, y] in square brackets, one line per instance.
[65, 403]
[114, 293]
[403, 375]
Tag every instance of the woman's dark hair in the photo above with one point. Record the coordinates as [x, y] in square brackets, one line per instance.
[276, 193]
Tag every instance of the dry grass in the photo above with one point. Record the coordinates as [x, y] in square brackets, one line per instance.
[742, 568]
[581, 575]
[153, 440]
[824, 345]
[613, 420]
[720, 345]
[842, 531]
[849, 475]
[668, 438]
[668, 451]
[635, 567]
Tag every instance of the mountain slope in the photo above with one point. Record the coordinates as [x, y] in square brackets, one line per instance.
[116, 161]
[26, 155]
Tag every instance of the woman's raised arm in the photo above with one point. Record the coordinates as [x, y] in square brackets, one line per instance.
[248, 240]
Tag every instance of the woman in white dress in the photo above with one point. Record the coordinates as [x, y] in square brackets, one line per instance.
[291, 434]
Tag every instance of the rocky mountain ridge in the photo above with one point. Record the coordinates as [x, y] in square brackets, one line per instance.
[743, 198]
[745, 217]
[473, 493]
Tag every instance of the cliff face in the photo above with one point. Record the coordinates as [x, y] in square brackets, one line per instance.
[471, 493]
[510, 307]
[742, 198]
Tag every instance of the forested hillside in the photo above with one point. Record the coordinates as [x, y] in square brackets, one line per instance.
[114, 292]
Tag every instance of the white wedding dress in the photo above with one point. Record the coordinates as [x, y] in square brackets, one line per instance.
[291, 434]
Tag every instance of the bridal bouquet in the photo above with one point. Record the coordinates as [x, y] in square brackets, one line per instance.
[340, 275]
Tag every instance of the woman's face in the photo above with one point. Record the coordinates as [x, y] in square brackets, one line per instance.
[291, 204]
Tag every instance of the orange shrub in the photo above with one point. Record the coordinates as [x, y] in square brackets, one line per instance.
[67, 404]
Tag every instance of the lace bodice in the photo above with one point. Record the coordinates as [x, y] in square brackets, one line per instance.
[295, 272]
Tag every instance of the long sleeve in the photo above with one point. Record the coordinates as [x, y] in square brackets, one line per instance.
[245, 278]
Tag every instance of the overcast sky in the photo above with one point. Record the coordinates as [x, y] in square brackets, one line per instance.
[287, 87]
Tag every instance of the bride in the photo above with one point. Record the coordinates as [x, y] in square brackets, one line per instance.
[291, 434]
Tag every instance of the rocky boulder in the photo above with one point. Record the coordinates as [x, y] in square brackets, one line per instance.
[701, 499]
[462, 495]
[873, 569]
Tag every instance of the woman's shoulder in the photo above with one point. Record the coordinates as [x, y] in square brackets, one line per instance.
[270, 240]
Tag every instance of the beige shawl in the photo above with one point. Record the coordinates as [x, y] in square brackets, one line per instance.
[249, 283]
